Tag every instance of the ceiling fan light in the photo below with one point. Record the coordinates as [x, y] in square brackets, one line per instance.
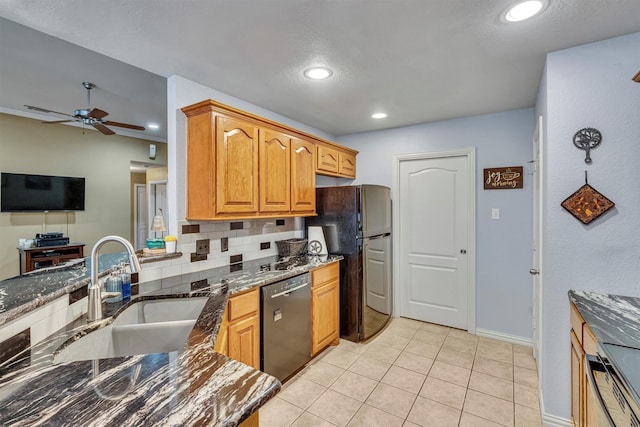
[318, 73]
[524, 10]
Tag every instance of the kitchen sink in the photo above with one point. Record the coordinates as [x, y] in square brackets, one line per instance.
[147, 326]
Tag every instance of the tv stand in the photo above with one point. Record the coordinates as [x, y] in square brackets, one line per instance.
[48, 256]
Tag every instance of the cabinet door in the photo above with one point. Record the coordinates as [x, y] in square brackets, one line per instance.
[577, 382]
[275, 172]
[236, 166]
[327, 159]
[347, 164]
[303, 176]
[244, 341]
[325, 327]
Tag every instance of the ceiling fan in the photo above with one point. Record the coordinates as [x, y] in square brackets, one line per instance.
[88, 116]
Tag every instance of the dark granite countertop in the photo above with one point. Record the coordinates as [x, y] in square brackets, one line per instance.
[614, 319]
[192, 386]
[22, 294]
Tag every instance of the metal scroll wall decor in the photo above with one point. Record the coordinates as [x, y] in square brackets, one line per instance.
[587, 139]
[587, 204]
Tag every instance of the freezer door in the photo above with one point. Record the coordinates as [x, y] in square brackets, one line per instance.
[375, 210]
[376, 274]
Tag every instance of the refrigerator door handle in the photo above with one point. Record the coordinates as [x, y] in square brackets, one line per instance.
[379, 236]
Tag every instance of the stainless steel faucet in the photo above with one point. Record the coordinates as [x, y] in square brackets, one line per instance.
[94, 311]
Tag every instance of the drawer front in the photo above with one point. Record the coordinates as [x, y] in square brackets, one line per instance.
[325, 274]
[244, 304]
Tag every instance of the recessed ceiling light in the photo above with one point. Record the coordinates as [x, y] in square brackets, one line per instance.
[379, 115]
[317, 73]
[153, 126]
[524, 10]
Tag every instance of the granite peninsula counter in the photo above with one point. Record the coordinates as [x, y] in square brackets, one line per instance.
[194, 386]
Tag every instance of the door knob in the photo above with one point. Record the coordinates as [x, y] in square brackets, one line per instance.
[463, 251]
[533, 272]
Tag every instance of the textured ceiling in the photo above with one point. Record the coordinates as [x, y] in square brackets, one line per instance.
[417, 60]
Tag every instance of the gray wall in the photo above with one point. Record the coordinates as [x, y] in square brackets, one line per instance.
[588, 86]
[504, 296]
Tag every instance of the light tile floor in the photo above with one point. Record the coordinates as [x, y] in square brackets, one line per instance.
[412, 374]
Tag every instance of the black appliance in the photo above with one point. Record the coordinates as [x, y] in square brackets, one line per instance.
[40, 193]
[614, 381]
[285, 342]
[356, 222]
[50, 239]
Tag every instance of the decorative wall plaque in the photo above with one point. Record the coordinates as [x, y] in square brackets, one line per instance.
[587, 204]
[506, 178]
[587, 139]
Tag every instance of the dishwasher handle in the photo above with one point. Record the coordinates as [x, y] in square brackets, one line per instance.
[594, 364]
[288, 291]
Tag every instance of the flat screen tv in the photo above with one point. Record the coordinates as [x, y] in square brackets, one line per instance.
[39, 193]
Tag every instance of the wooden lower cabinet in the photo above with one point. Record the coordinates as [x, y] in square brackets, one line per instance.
[583, 342]
[578, 382]
[239, 333]
[325, 307]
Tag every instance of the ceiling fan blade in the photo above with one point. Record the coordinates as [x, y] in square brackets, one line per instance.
[98, 114]
[124, 125]
[102, 128]
[44, 110]
[58, 121]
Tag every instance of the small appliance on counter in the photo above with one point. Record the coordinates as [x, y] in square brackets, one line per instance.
[50, 239]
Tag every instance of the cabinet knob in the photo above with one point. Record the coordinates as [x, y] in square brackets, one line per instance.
[533, 272]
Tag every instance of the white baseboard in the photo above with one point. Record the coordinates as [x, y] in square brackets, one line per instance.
[549, 420]
[514, 339]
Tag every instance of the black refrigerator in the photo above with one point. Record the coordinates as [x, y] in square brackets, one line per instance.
[356, 221]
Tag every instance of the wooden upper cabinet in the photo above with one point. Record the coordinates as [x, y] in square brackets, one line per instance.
[334, 160]
[201, 155]
[347, 164]
[303, 176]
[236, 166]
[327, 159]
[242, 166]
[275, 172]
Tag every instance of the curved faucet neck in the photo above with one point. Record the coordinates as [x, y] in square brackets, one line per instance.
[94, 305]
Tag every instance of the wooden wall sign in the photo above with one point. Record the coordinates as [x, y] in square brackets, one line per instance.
[506, 178]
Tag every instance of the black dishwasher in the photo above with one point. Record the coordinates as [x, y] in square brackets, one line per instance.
[285, 331]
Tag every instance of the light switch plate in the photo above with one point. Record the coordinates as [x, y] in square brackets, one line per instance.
[495, 213]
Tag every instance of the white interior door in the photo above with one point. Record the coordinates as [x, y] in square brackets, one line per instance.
[140, 216]
[436, 222]
[537, 241]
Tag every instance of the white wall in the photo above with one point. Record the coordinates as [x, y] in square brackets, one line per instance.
[504, 296]
[588, 86]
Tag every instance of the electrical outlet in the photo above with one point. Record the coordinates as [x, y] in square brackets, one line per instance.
[202, 247]
[265, 245]
[224, 244]
[279, 221]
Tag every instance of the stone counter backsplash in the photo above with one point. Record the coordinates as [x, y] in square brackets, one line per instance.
[244, 238]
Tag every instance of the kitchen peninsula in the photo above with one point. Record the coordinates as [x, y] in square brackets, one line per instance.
[195, 385]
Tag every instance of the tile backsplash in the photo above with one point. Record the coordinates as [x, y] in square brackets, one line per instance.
[244, 238]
